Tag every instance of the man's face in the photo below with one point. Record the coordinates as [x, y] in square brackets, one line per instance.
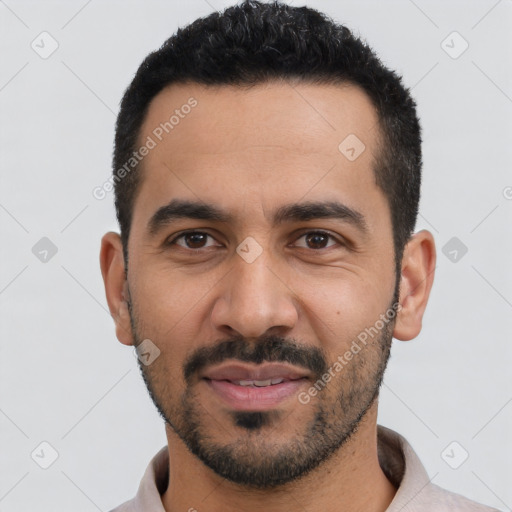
[258, 287]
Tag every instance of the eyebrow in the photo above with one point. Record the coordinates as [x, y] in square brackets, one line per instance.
[296, 212]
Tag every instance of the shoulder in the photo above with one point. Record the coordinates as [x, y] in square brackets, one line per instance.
[127, 506]
[441, 500]
[415, 490]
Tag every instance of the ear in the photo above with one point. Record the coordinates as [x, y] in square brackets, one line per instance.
[116, 286]
[418, 265]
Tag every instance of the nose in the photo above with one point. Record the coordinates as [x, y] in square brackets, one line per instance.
[254, 300]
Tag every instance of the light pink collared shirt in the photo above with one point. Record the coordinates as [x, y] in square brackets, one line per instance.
[398, 460]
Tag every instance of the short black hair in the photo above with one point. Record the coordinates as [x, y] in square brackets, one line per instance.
[254, 42]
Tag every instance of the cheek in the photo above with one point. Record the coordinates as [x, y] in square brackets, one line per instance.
[170, 310]
[167, 297]
[340, 310]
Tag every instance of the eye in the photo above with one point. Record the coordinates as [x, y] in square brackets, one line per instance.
[197, 240]
[192, 240]
[317, 239]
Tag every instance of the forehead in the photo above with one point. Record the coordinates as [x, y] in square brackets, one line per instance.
[268, 143]
[303, 118]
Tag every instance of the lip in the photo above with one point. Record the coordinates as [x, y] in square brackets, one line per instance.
[239, 371]
[245, 398]
[220, 380]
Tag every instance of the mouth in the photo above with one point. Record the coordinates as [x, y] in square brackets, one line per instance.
[254, 388]
[261, 375]
[253, 397]
[259, 383]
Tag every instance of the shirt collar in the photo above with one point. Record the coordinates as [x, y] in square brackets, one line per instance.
[397, 459]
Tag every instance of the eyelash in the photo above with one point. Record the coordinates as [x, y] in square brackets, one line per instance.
[192, 232]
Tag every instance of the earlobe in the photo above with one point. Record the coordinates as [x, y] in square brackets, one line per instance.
[417, 277]
[116, 286]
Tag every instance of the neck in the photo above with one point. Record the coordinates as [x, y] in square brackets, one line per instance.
[350, 480]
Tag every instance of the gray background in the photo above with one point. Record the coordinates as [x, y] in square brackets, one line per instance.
[65, 379]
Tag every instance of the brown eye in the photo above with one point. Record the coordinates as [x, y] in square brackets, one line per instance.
[317, 240]
[192, 240]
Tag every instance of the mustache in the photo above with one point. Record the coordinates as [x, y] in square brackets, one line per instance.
[269, 348]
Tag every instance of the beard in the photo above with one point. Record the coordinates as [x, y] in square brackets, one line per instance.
[267, 453]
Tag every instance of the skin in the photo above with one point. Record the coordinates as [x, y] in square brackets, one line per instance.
[250, 152]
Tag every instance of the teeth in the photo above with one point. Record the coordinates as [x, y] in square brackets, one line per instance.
[245, 382]
[259, 383]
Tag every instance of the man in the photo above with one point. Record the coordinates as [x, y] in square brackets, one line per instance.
[267, 176]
